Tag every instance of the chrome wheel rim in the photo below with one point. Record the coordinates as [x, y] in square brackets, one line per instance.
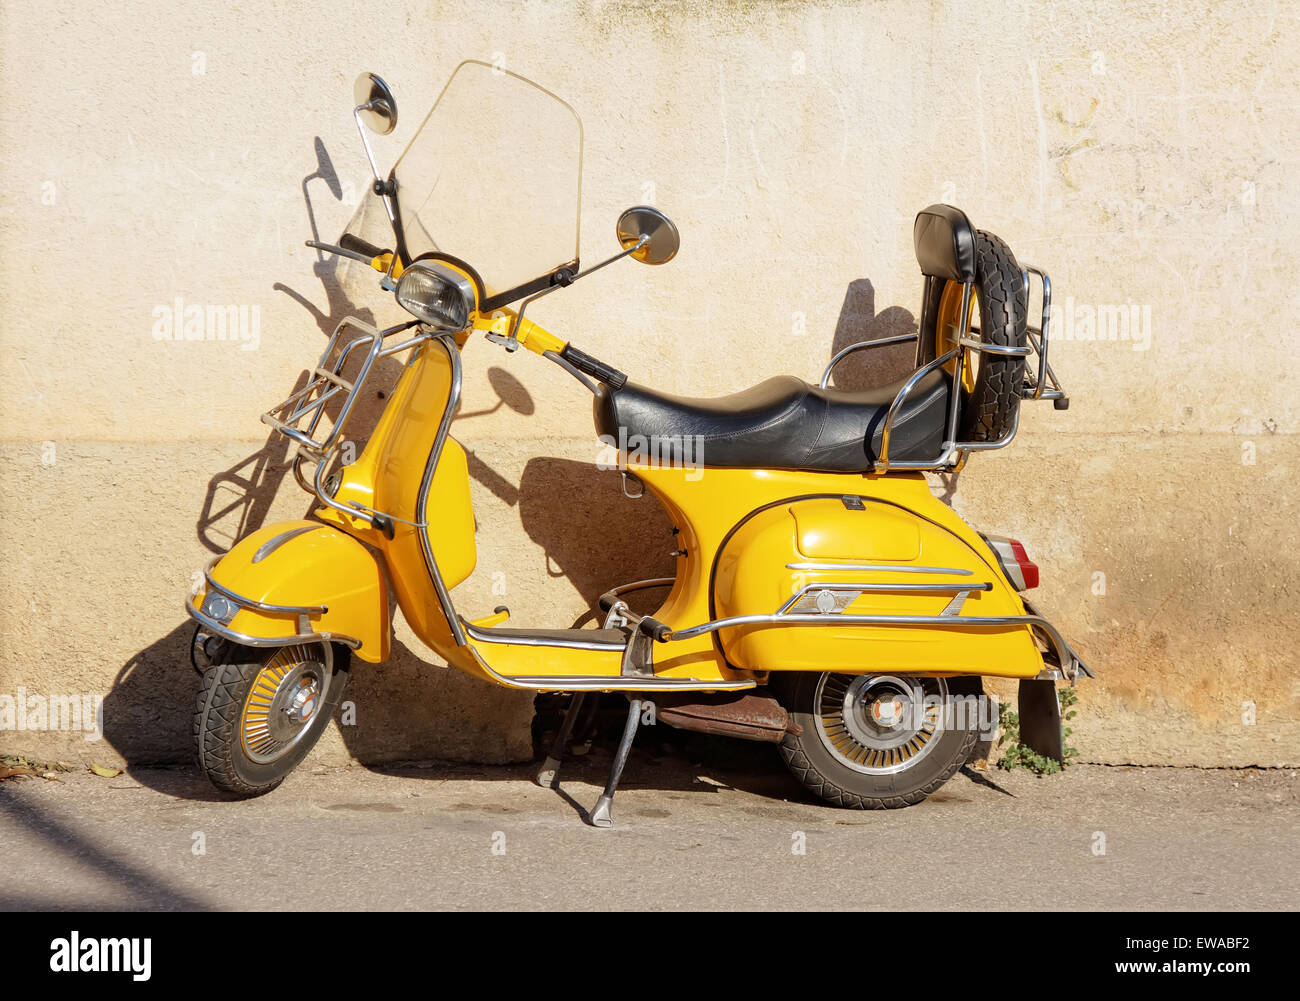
[284, 700]
[879, 724]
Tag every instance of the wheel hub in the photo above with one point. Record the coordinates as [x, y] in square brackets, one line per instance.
[302, 700]
[887, 712]
[879, 724]
[283, 700]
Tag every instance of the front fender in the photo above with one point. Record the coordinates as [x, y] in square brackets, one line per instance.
[294, 580]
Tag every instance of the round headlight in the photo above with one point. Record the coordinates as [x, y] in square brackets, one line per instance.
[436, 294]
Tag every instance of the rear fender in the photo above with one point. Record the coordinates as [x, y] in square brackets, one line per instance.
[296, 581]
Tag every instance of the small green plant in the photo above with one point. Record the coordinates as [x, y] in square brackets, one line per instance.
[1016, 755]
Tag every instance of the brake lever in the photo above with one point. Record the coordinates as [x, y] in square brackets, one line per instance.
[505, 340]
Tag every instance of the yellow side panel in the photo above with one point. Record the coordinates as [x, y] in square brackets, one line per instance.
[904, 523]
[516, 660]
[827, 530]
[770, 566]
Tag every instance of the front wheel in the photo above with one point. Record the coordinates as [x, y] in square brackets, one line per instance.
[256, 719]
[874, 741]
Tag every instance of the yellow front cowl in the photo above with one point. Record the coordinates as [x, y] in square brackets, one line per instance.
[308, 563]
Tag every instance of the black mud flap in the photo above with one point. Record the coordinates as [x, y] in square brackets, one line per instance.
[1040, 719]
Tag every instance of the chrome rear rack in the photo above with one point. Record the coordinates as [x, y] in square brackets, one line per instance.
[1040, 382]
[1042, 385]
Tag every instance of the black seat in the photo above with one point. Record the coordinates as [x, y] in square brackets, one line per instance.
[783, 423]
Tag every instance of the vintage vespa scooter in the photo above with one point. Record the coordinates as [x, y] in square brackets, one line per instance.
[823, 599]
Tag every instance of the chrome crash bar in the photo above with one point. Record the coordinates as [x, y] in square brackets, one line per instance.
[1070, 663]
[795, 612]
[306, 634]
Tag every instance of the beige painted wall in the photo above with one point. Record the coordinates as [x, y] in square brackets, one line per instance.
[1144, 156]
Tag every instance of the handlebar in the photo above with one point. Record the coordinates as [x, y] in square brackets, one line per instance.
[350, 242]
[499, 325]
[594, 367]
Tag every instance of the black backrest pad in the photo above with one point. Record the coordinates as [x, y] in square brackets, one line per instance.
[945, 243]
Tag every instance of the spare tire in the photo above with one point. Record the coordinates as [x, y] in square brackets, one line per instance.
[991, 382]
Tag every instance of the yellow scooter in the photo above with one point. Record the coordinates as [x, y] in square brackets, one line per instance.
[824, 599]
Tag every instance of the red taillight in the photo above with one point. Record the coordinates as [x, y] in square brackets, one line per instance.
[1028, 568]
[1021, 571]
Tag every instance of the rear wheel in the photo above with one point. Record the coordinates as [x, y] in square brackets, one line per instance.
[877, 741]
[254, 720]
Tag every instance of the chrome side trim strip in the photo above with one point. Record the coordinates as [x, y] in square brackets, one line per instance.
[261, 606]
[970, 621]
[874, 588]
[272, 544]
[960, 571]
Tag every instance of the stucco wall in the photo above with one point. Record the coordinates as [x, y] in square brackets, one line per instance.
[1145, 156]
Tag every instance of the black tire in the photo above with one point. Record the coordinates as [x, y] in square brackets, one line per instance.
[990, 411]
[222, 701]
[828, 775]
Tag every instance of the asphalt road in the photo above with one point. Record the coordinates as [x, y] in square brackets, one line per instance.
[687, 836]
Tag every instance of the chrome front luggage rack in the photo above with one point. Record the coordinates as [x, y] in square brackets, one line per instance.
[298, 417]
[1041, 384]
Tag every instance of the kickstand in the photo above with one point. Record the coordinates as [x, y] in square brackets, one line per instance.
[551, 766]
[600, 815]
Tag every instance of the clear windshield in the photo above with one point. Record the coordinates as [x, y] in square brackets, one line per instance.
[493, 177]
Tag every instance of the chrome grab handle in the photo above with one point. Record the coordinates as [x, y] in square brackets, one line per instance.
[859, 346]
[882, 464]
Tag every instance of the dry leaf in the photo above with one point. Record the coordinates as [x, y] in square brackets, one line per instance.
[10, 773]
[52, 776]
[104, 771]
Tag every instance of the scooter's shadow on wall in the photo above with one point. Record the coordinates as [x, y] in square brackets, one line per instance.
[859, 321]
